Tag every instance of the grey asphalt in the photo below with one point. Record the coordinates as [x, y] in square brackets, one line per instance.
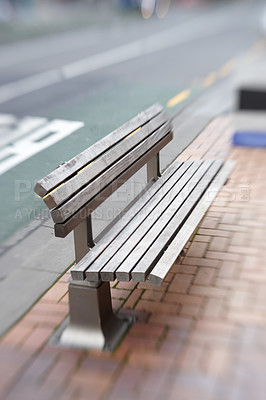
[33, 259]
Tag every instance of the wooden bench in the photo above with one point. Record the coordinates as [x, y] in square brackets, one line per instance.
[146, 240]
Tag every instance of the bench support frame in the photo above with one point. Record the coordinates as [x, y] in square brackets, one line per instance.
[93, 325]
[153, 168]
[83, 238]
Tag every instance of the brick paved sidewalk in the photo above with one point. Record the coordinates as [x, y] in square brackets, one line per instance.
[201, 336]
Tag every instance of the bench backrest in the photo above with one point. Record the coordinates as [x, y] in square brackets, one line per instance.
[77, 187]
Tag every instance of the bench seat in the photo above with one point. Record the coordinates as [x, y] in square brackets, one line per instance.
[135, 245]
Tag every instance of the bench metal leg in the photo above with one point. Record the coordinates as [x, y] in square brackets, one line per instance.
[153, 168]
[93, 325]
[83, 239]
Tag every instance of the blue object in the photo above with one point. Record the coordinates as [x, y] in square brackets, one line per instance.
[249, 139]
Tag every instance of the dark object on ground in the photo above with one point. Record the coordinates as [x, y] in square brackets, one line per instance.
[252, 98]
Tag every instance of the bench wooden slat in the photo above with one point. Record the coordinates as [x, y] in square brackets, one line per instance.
[156, 249]
[142, 224]
[71, 167]
[88, 173]
[71, 206]
[164, 264]
[63, 229]
[170, 218]
[78, 271]
[93, 272]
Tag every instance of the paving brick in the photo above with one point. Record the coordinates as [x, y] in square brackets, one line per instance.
[217, 362]
[190, 310]
[214, 214]
[215, 327]
[180, 283]
[37, 339]
[150, 286]
[202, 238]
[185, 269]
[65, 278]
[197, 249]
[240, 239]
[120, 294]
[17, 335]
[171, 321]
[152, 306]
[254, 276]
[152, 360]
[117, 304]
[179, 335]
[233, 228]
[201, 262]
[209, 222]
[153, 384]
[129, 383]
[29, 391]
[93, 383]
[152, 295]
[172, 345]
[191, 359]
[146, 329]
[126, 285]
[229, 218]
[169, 277]
[246, 316]
[250, 263]
[218, 255]
[55, 293]
[121, 352]
[50, 308]
[244, 250]
[133, 298]
[183, 299]
[142, 343]
[205, 276]
[61, 371]
[39, 367]
[94, 376]
[214, 232]
[202, 388]
[232, 283]
[228, 269]
[206, 339]
[219, 244]
[241, 298]
[44, 319]
[208, 291]
[214, 308]
[12, 363]
[65, 299]
[254, 222]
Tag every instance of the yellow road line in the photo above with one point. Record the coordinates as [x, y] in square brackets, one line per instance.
[259, 46]
[256, 50]
[210, 79]
[227, 68]
[178, 98]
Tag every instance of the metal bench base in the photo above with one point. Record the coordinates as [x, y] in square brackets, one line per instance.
[93, 325]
